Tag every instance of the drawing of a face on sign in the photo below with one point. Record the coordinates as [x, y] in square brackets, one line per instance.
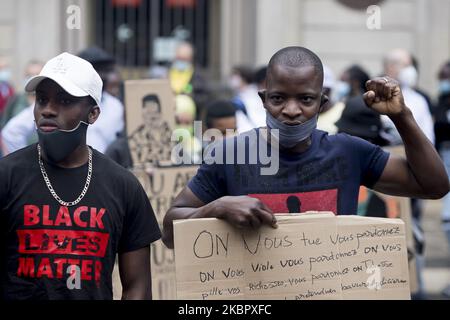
[151, 110]
[151, 142]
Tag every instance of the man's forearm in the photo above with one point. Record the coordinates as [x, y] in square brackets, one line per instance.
[422, 157]
[137, 294]
[210, 210]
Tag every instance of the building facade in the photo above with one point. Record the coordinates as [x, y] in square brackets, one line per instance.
[229, 32]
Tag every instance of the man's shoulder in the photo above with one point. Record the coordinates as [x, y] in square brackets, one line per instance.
[111, 169]
[335, 137]
[20, 156]
[243, 137]
[339, 141]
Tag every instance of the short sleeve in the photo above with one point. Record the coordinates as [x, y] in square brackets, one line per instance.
[372, 160]
[209, 183]
[140, 226]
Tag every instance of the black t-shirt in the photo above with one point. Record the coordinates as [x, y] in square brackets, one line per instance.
[42, 241]
[442, 122]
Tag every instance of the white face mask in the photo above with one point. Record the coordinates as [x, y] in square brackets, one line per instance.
[408, 77]
[5, 75]
[235, 82]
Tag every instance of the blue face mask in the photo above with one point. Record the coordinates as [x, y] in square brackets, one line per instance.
[289, 136]
[341, 90]
[181, 65]
[444, 87]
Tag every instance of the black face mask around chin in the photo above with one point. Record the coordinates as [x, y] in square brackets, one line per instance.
[59, 144]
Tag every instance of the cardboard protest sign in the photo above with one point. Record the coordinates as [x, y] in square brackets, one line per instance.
[375, 204]
[163, 272]
[162, 185]
[150, 115]
[317, 256]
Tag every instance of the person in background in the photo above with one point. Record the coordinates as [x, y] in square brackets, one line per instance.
[112, 122]
[442, 132]
[114, 84]
[352, 83]
[260, 78]
[398, 65]
[1, 147]
[415, 85]
[331, 112]
[21, 101]
[186, 78]
[6, 89]
[360, 121]
[221, 115]
[241, 77]
[249, 108]
[119, 151]
[185, 112]
[160, 70]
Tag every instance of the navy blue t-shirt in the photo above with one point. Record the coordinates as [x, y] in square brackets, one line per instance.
[325, 177]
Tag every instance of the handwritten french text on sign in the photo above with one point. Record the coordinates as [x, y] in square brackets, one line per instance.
[312, 256]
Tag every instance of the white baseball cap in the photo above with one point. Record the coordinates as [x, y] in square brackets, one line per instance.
[74, 74]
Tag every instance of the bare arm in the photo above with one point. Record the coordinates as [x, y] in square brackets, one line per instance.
[422, 174]
[240, 211]
[135, 275]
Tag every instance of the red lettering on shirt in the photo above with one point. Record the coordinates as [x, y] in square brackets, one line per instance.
[323, 200]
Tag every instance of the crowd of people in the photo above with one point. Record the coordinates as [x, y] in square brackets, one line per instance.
[64, 133]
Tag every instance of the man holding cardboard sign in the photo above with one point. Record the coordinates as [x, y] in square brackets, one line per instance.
[316, 171]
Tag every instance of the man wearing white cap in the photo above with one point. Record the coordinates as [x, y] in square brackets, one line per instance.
[19, 131]
[66, 209]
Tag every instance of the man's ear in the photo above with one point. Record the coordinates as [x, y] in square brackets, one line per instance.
[262, 95]
[93, 114]
[324, 100]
